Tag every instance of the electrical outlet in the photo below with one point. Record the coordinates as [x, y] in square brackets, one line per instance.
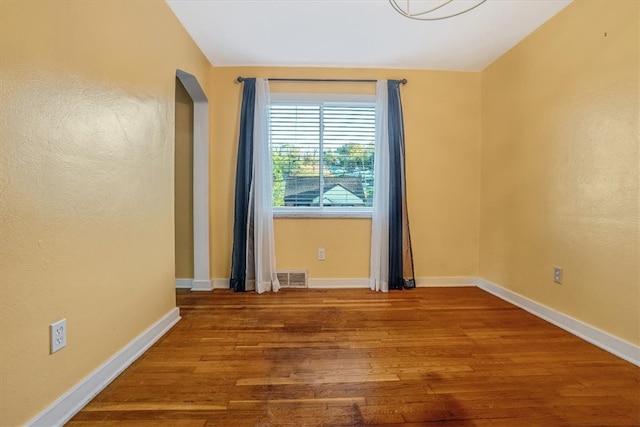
[321, 254]
[557, 274]
[58, 334]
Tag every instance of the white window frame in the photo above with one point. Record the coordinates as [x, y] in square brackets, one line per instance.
[313, 212]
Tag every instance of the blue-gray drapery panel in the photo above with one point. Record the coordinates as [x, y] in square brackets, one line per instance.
[243, 185]
[400, 254]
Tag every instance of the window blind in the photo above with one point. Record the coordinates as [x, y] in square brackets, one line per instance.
[323, 154]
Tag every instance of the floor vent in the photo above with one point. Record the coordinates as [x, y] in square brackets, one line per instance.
[293, 278]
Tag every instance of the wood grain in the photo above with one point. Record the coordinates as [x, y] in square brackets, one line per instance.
[427, 356]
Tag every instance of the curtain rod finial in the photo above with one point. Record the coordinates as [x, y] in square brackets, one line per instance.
[403, 81]
[240, 79]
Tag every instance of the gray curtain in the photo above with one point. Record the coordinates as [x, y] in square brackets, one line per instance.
[401, 274]
[241, 232]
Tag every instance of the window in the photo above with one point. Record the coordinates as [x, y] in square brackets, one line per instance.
[323, 154]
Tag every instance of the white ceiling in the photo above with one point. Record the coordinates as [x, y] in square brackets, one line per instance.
[356, 33]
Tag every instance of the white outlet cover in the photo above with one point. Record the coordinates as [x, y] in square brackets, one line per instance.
[58, 334]
[557, 275]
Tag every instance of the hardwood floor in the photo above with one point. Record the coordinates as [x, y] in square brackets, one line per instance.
[428, 356]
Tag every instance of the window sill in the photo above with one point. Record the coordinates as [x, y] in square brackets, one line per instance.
[315, 213]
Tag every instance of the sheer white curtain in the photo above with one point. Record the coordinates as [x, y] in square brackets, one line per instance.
[261, 187]
[379, 276]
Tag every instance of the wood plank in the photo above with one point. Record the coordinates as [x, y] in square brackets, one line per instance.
[428, 356]
[154, 406]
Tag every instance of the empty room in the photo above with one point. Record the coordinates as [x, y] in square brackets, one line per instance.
[320, 213]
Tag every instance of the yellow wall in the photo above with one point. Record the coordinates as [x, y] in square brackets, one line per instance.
[560, 123]
[86, 185]
[442, 125]
[183, 180]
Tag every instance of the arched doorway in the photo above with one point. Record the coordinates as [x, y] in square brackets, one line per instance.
[199, 198]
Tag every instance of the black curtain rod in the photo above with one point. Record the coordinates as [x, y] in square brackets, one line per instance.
[403, 81]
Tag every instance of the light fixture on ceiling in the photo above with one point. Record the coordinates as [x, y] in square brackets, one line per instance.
[433, 10]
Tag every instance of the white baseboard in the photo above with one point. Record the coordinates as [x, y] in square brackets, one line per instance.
[421, 282]
[221, 284]
[604, 340]
[184, 283]
[363, 282]
[201, 285]
[313, 283]
[349, 283]
[445, 281]
[63, 409]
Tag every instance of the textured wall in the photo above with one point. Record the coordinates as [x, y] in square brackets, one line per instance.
[442, 126]
[86, 185]
[560, 185]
